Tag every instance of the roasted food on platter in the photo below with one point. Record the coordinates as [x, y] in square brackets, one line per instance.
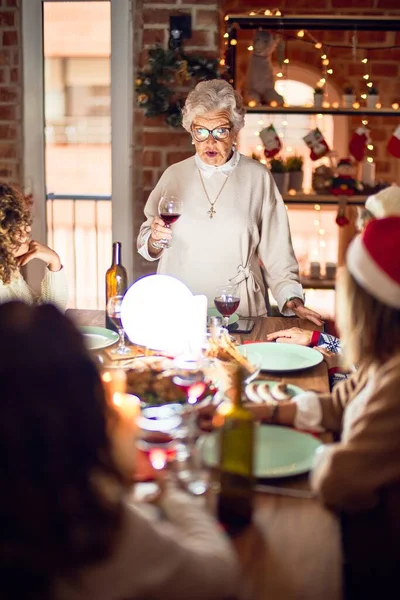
[226, 350]
[151, 379]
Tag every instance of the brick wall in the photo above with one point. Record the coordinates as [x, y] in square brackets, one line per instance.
[11, 151]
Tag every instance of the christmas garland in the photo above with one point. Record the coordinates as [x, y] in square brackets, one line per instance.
[168, 69]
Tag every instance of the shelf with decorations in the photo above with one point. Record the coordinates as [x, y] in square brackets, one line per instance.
[312, 110]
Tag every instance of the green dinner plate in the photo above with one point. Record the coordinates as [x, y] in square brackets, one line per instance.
[213, 312]
[97, 338]
[279, 451]
[283, 357]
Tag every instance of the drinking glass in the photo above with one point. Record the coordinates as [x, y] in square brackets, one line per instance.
[169, 209]
[114, 312]
[191, 378]
[226, 301]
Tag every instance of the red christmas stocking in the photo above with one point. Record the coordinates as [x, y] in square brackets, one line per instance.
[316, 142]
[394, 143]
[358, 143]
[271, 141]
[341, 218]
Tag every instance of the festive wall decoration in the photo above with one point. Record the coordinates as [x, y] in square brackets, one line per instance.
[317, 143]
[358, 143]
[393, 145]
[271, 141]
[158, 85]
[260, 78]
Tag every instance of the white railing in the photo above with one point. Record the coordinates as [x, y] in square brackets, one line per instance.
[79, 229]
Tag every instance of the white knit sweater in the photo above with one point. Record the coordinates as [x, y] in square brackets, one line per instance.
[249, 233]
[53, 290]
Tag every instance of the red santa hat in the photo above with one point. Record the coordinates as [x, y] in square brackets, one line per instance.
[385, 203]
[373, 258]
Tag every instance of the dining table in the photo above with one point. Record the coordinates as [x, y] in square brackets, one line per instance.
[292, 549]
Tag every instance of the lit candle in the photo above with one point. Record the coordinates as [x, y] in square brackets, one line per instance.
[123, 431]
[114, 381]
[368, 173]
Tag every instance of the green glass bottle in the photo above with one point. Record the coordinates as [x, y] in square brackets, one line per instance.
[236, 470]
[116, 279]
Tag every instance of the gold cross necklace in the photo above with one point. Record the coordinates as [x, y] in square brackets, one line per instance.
[212, 211]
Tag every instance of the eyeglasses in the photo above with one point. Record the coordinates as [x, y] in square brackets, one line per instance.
[201, 134]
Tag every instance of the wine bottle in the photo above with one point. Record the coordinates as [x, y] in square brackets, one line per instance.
[116, 279]
[236, 474]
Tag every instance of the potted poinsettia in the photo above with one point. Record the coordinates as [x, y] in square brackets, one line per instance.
[294, 166]
[280, 174]
[318, 97]
[348, 97]
[372, 97]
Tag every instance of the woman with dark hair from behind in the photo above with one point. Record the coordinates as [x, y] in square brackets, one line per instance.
[66, 531]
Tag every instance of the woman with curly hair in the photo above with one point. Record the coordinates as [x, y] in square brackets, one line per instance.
[67, 530]
[16, 250]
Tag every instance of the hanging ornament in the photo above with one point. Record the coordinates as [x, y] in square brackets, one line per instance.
[341, 218]
[182, 74]
[271, 141]
[358, 143]
[393, 145]
[317, 143]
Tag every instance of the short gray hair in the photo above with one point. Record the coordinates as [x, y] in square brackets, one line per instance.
[210, 96]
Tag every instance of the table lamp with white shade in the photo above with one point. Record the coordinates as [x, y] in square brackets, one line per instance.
[161, 313]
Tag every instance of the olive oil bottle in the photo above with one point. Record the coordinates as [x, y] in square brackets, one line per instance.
[236, 459]
[116, 279]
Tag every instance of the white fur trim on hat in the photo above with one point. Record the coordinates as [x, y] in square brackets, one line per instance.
[370, 276]
[385, 203]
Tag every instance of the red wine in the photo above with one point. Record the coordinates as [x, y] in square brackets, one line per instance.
[116, 320]
[226, 305]
[169, 218]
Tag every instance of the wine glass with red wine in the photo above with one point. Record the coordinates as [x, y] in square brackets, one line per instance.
[114, 313]
[169, 209]
[227, 301]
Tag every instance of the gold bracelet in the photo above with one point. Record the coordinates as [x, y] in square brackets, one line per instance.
[274, 414]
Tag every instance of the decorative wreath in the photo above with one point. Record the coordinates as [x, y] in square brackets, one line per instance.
[156, 85]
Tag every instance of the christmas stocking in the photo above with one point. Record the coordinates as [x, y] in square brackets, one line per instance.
[394, 143]
[341, 218]
[271, 141]
[316, 142]
[358, 143]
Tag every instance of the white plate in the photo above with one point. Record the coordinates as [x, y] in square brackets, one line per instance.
[279, 451]
[283, 357]
[97, 338]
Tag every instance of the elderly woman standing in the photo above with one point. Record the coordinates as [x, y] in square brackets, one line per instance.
[233, 222]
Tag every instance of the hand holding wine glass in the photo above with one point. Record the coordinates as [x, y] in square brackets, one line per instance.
[169, 210]
[226, 301]
[114, 313]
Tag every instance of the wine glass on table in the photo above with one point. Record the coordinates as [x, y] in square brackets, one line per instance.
[227, 301]
[114, 313]
[191, 378]
[169, 210]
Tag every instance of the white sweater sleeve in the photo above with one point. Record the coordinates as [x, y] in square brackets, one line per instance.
[54, 288]
[276, 250]
[184, 557]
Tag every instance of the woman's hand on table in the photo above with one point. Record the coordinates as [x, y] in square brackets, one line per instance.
[297, 306]
[294, 335]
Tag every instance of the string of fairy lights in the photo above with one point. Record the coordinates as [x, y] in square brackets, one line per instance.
[369, 95]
